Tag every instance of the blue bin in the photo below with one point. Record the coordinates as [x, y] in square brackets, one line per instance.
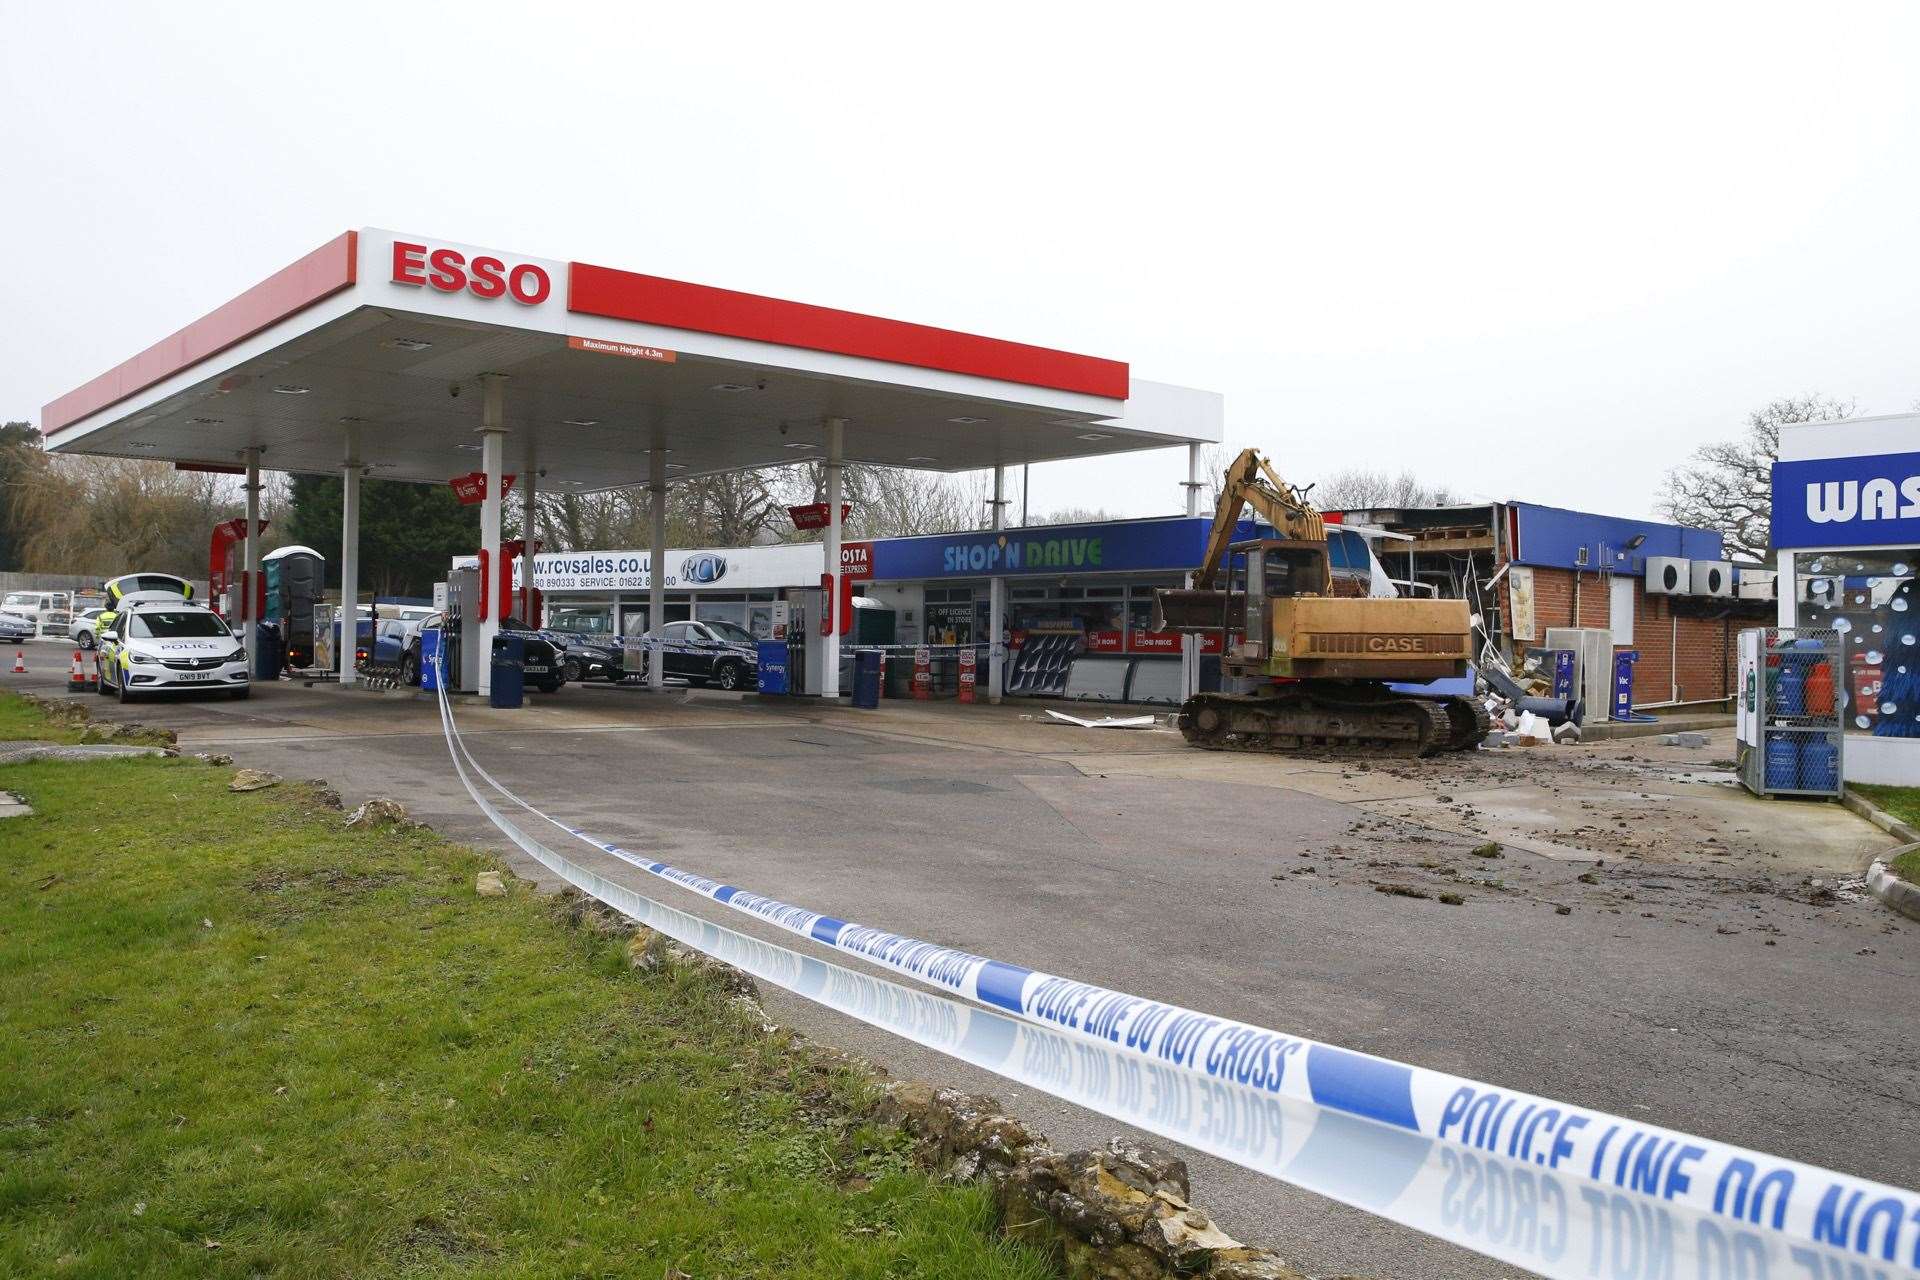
[509, 671]
[430, 658]
[866, 679]
[269, 653]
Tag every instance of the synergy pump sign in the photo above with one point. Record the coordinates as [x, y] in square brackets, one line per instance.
[1847, 502]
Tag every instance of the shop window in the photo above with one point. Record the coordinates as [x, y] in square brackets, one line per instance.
[1871, 599]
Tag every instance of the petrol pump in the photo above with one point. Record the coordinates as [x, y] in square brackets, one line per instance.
[227, 583]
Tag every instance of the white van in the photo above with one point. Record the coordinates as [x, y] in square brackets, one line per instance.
[51, 612]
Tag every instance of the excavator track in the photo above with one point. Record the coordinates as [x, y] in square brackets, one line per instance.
[1293, 719]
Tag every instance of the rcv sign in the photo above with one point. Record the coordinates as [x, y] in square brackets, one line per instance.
[1847, 502]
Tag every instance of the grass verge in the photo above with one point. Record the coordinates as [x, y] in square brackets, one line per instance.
[1904, 804]
[239, 1040]
[23, 721]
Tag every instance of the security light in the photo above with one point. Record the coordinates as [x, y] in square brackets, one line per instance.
[965, 421]
[1094, 435]
[579, 422]
[287, 389]
[1637, 541]
[731, 386]
[409, 344]
[921, 457]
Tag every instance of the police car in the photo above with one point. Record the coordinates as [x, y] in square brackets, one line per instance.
[169, 645]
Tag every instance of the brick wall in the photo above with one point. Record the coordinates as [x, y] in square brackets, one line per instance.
[1702, 648]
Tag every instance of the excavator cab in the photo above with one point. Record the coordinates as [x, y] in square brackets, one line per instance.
[1259, 570]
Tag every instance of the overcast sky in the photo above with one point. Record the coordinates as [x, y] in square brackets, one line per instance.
[1526, 251]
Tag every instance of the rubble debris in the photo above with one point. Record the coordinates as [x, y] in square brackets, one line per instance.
[1105, 722]
[1691, 741]
[381, 812]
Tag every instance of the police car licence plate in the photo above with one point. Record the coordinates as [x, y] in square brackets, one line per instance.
[194, 675]
[538, 667]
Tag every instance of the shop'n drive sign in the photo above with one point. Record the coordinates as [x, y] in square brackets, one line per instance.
[483, 276]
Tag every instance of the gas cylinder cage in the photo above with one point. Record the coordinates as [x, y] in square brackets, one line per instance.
[1794, 688]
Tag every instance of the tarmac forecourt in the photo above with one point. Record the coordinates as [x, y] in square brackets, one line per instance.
[1559, 1190]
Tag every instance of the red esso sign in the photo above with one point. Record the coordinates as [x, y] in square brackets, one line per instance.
[450, 271]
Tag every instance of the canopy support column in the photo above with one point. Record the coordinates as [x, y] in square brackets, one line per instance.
[349, 557]
[493, 442]
[997, 599]
[1189, 643]
[250, 550]
[657, 567]
[830, 607]
[529, 514]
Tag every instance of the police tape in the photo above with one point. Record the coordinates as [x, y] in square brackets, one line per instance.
[1559, 1190]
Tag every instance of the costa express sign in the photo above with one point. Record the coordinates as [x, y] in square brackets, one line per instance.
[450, 271]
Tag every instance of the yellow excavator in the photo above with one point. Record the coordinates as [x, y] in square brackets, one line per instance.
[1326, 651]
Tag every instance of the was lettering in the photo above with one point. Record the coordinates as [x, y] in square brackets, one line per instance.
[1838, 501]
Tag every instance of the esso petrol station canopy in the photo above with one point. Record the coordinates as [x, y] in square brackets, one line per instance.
[389, 333]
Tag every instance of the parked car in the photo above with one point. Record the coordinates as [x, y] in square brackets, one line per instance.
[84, 629]
[544, 667]
[169, 647]
[14, 628]
[708, 652]
[48, 611]
[129, 588]
[583, 659]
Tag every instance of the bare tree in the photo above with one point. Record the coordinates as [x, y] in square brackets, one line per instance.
[1075, 515]
[1728, 486]
[901, 503]
[1358, 488]
[731, 509]
[83, 514]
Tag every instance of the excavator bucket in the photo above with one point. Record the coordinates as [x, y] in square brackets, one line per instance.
[1181, 609]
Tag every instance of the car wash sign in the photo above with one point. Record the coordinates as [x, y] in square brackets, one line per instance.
[1847, 502]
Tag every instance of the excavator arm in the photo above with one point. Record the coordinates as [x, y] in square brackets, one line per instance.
[1252, 482]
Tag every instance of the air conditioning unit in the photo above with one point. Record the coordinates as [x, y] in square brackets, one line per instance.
[1669, 576]
[1757, 584]
[1713, 578]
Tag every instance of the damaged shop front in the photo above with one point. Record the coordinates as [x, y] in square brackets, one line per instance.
[1649, 611]
[1078, 603]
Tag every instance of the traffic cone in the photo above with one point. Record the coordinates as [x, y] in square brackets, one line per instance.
[19, 662]
[77, 678]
